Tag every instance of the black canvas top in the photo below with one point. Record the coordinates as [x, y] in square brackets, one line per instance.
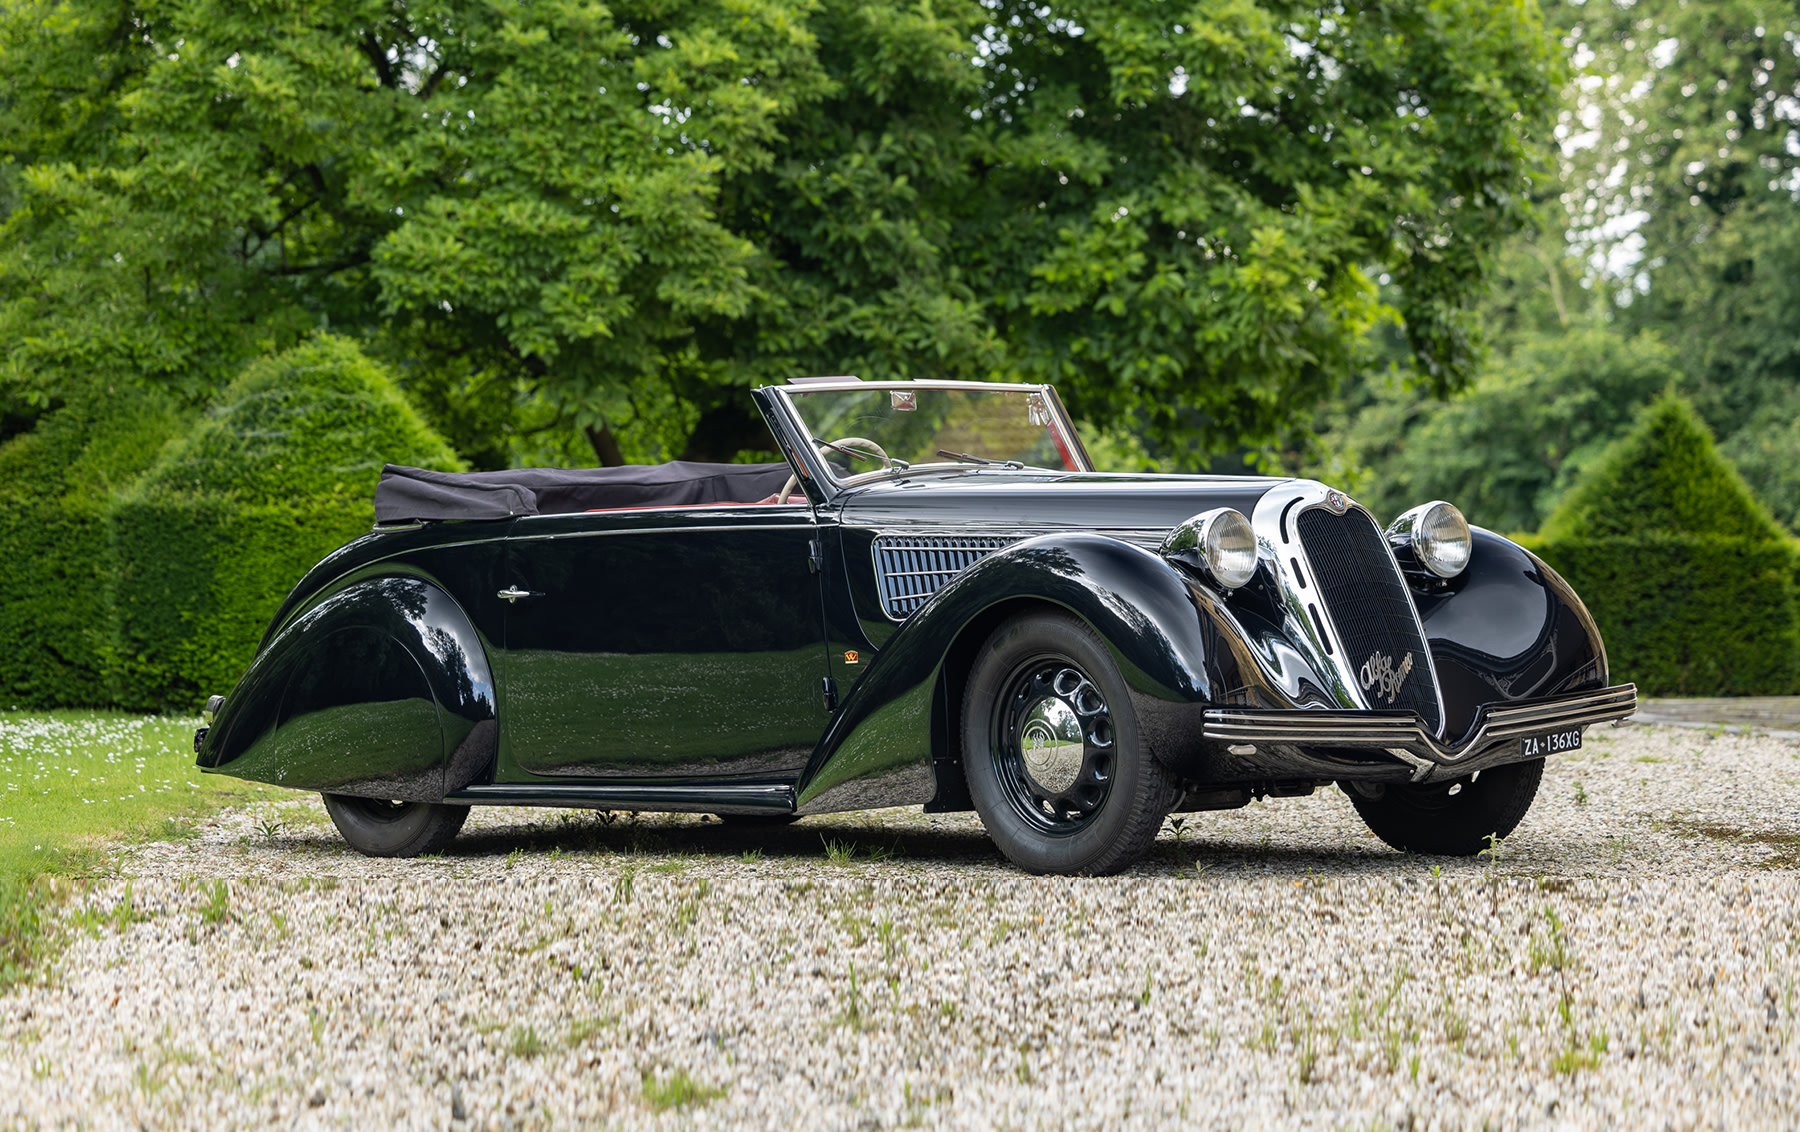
[410, 494]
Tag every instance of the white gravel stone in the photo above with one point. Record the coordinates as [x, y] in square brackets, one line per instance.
[1631, 959]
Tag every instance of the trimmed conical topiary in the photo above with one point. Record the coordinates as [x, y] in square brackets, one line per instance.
[1689, 577]
[1666, 474]
[280, 472]
[319, 420]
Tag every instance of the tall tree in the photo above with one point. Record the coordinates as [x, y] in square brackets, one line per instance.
[581, 216]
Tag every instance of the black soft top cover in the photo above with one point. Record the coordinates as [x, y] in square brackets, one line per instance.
[411, 494]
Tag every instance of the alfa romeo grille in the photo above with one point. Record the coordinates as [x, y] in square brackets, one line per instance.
[1365, 595]
[910, 568]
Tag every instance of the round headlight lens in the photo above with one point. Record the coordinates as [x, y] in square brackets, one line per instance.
[1441, 539]
[1219, 542]
[1230, 548]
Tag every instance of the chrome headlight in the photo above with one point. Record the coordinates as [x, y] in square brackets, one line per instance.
[1438, 535]
[1219, 542]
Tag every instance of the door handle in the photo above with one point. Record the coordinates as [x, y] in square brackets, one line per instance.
[513, 594]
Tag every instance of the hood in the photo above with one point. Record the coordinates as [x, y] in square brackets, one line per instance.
[1124, 504]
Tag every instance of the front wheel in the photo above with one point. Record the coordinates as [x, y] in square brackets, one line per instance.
[1051, 751]
[377, 828]
[1454, 818]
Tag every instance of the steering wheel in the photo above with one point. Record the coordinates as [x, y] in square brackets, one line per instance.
[846, 445]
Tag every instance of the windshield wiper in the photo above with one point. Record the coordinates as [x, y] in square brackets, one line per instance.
[1015, 465]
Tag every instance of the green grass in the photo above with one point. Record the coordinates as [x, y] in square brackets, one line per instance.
[677, 1090]
[71, 782]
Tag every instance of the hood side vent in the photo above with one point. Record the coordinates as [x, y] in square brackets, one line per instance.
[910, 568]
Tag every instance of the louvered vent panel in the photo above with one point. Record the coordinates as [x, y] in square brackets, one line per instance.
[910, 568]
[1366, 597]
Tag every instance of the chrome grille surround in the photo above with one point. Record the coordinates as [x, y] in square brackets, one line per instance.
[910, 568]
[1307, 617]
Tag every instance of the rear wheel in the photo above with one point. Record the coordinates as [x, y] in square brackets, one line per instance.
[1051, 752]
[1452, 818]
[378, 828]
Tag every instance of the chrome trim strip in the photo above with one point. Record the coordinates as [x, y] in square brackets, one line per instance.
[761, 797]
[806, 524]
[1405, 731]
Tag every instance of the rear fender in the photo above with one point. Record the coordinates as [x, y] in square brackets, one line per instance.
[879, 748]
[381, 689]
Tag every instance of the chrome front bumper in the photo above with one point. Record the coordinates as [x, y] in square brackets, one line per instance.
[1403, 735]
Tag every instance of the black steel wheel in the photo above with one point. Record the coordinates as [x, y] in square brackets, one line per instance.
[1451, 818]
[378, 828]
[1051, 752]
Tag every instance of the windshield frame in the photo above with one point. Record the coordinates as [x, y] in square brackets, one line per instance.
[819, 471]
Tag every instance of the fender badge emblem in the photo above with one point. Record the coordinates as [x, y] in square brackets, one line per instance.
[850, 656]
[1379, 674]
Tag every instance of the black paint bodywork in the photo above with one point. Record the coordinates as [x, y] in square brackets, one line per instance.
[739, 659]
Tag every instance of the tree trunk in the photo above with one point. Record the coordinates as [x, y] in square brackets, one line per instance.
[605, 447]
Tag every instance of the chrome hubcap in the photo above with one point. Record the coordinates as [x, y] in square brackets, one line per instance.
[1055, 749]
[1052, 745]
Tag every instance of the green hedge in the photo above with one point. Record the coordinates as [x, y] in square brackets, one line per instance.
[54, 615]
[1690, 579]
[197, 581]
[143, 551]
[1689, 615]
[55, 562]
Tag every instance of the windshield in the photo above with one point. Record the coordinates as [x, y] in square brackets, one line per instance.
[915, 427]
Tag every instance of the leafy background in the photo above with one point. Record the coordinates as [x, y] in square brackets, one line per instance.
[1421, 249]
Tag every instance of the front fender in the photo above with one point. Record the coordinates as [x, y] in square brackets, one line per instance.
[878, 749]
[381, 688]
[1507, 628]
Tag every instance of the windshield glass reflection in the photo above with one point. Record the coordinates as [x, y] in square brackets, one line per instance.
[865, 432]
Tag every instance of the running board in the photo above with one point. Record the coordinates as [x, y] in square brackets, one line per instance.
[749, 798]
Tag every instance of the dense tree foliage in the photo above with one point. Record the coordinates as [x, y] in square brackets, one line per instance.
[1671, 258]
[569, 219]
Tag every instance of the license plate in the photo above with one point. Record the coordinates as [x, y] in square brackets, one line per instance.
[1553, 743]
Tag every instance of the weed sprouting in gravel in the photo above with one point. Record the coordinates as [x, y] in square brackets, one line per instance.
[217, 905]
[884, 931]
[1306, 1051]
[1456, 1023]
[1581, 798]
[583, 1030]
[855, 1012]
[624, 884]
[1549, 948]
[750, 857]
[268, 828]
[524, 1041]
[177, 829]
[677, 1090]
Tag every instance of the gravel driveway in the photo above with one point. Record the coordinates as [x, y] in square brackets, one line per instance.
[1631, 959]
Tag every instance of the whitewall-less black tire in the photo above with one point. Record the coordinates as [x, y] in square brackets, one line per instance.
[1452, 818]
[1051, 750]
[377, 828]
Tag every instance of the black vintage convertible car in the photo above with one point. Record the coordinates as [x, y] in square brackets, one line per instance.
[933, 600]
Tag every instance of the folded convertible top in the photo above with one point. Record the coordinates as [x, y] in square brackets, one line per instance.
[411, 494]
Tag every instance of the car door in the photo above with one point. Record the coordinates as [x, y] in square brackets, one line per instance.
[671, 643]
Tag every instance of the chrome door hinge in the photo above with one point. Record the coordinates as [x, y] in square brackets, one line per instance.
[815, 555]
[830, 687]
